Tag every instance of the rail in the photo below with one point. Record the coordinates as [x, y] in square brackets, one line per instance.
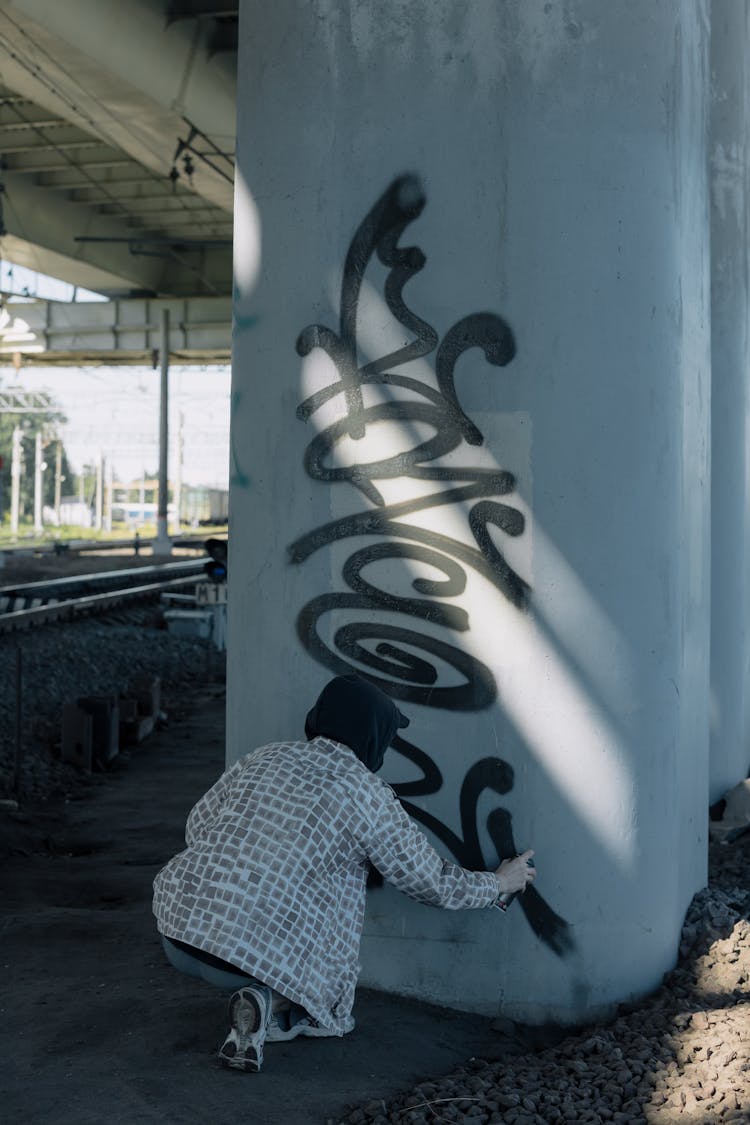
[48, 588]
[57, 609]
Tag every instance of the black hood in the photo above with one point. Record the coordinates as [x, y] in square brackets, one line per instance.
[352, 711]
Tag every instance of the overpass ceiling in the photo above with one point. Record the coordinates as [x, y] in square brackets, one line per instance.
[117, 136]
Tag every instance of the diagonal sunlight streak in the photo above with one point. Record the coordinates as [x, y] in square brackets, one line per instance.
[562, 703]
[567, 729]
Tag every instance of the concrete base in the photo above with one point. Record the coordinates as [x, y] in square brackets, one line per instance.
[162, 544]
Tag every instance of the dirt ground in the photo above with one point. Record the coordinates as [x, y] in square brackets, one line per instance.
[95, 1025]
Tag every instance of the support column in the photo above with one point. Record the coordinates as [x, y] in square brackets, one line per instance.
[15, 480]
[178, 473]
[38, 470]
[58, 480]
[730, 397]
[469, 457]
[99, 499]
[108, 490]
[163, 546]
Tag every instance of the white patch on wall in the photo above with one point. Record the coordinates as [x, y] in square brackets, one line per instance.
[247, 238]
[728, 182]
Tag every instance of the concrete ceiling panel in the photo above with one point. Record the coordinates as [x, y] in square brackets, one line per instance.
[52, 223]
[75, 271]
[118, 71]
[118, 127]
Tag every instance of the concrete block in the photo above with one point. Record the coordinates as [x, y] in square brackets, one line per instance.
[189, 622]
[128, 705]
[105, 716]
[147, 692]
[133, 731]
[77, 736]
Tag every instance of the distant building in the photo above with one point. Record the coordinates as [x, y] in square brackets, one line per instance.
[204, 506]
[73, 512]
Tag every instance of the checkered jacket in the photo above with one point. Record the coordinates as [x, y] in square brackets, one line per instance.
[273, 877]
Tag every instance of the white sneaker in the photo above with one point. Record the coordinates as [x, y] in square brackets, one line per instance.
[249, 1015]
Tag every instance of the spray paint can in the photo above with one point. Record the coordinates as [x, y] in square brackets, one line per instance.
[506, 898]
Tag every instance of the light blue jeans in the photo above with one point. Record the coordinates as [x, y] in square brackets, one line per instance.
[181, 960]
[227, 981]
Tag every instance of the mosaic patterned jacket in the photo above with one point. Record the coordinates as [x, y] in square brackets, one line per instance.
[273, 877]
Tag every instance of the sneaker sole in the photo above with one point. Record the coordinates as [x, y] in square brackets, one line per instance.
[248, 1062]
[245, 1017]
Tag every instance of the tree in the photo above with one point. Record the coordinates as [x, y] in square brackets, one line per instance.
[31, 413]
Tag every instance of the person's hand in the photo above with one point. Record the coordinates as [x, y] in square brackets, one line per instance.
[514, 874]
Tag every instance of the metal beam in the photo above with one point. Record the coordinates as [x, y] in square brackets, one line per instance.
[86, 192]
[42, 144]
[11, 123]
[41, 162]
[201, 357]
[154, 205]
[213, 227]
[16, 401]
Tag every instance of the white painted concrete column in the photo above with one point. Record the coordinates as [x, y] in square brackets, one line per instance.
[99, 497]
[15, 480]
[730, 397]
[470, 436]
[162, 543]
[39, 468]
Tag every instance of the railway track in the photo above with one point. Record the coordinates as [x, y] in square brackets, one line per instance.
[37, 603]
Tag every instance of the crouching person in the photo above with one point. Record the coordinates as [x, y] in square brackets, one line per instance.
[267, 901]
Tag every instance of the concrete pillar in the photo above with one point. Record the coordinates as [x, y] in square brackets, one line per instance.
[162, 544]
[58, 480]
[39, 468]
[180, 452]
[469, 456]
[108, 495]
[15, 480]
[99, 498]
[730, 396]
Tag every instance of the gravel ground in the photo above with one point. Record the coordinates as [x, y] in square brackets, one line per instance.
[96, 656]
[681, 1056]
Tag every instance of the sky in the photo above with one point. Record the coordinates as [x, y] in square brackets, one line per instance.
[114, 411]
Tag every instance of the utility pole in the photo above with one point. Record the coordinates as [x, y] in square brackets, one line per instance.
[162, 546]
[178, 472]
[108, 496]
[15, 481]
[58, 480]
[39, 467]
[99, 492]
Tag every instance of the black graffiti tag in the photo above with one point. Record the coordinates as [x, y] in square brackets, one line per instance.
[404, 660]
[393, 663]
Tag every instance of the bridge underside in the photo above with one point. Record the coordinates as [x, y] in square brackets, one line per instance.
[117, 135]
